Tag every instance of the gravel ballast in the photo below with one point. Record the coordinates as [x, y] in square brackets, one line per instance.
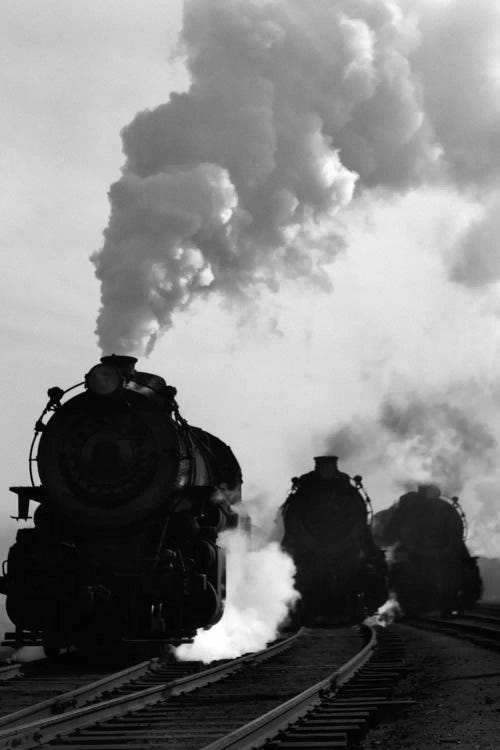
[457, 689]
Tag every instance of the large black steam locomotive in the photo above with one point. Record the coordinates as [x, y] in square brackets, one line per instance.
[130, 503]
[341, 574]
[430, 567]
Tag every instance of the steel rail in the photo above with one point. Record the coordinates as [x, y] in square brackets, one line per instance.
[258, 732]
[46, 729]
[480, 617]
[75, 698]
[10, 671]
[480, 634]
[469, 624]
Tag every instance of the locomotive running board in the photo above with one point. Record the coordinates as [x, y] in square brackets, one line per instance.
[25, 638]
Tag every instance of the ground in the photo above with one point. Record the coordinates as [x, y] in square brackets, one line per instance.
[457, 689]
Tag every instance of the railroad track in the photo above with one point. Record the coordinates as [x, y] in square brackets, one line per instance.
[69, 685]
[481, 626]
[492, 608]
[8, 671]
[242, 703]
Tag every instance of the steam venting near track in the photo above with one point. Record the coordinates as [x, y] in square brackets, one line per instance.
[386, 614]
[260, 592]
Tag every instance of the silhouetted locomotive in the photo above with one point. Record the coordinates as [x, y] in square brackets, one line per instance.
[430, 567]
[341, 574]
[130, 503]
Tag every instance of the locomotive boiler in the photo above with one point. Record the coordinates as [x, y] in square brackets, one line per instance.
[430, 567]
[130, 502]
[341, 574]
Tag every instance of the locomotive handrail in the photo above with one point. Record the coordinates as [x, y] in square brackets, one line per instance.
[55, 397]
[454, 501]
[358, 484]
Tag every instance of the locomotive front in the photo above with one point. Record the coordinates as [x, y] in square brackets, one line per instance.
[430, 568]
[130, 502]
[341, 575]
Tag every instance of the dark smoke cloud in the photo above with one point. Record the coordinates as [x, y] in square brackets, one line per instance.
[291, 106]
[420, 440]
[224, 185]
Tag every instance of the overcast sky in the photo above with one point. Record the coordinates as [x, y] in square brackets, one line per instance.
[394, 365]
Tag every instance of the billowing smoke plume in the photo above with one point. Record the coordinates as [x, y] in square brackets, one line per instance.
[290, 105]
[260, 592]
[476, 261]
[224, 185]
[459, 65]
[418, 439]
[422, 440]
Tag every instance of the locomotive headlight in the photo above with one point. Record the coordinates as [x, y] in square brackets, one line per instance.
[103, 380]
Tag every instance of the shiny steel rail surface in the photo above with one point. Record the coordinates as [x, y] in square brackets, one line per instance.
[260, 730]
[75, 698]
[35, 731]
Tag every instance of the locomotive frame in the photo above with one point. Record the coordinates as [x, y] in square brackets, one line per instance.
[341, 575]
[131, 500]
[430, 566]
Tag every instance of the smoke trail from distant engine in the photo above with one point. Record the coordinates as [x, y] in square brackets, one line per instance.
[435, 438]
[423, 439]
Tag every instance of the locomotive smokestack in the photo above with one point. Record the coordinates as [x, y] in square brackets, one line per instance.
[323, 461]
[123, 363]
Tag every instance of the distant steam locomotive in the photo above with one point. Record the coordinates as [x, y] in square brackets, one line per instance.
[430, 567]
[341, 575]
[130, 503]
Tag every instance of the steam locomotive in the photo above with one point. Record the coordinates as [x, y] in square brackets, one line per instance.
[430, 567]
[341, 574]
[131, 500]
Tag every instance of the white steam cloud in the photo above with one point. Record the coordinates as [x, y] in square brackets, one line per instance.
[260, 592]
[386, 613]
